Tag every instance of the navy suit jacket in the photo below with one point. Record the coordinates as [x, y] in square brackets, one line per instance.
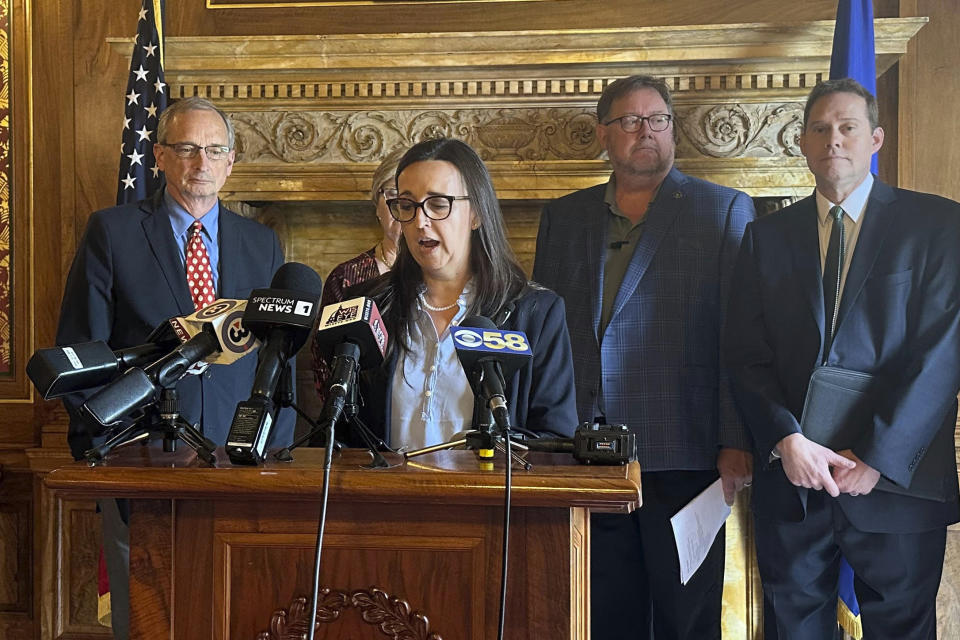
[659, 358]
[128, 277]
[539, 396]
[899, 319]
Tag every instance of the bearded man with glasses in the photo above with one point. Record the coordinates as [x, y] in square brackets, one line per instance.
[134, 269]
[644, 264]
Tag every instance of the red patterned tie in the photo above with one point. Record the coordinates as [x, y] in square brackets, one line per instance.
[199, 275]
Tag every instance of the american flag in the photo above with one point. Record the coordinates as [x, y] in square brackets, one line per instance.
[146, 97]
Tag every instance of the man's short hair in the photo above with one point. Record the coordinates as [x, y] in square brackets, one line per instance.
[626, 86]
[843, 85]
[193, 103]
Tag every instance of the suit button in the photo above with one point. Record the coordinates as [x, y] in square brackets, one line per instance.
[207, 374]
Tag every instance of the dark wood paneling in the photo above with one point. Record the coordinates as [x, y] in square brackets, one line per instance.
[81, 548]
[930, 91]
[193, 18]
[15, 547]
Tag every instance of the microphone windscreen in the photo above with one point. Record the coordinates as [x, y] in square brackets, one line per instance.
[60, 370]
[478, 322]
[298, 277]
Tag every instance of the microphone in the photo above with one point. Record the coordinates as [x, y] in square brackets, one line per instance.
[212, 335]
[490, 356]
[57, 371]
[351, 333]
[282, 317]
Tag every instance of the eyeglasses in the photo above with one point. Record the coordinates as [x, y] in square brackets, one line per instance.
[188, 150]
[434, 207]
[631, 123]
[388, 193]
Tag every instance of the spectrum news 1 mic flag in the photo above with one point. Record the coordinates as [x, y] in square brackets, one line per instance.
[138, 176]
[854, 57]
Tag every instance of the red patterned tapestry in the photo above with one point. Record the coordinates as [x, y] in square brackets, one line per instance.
[5, 308]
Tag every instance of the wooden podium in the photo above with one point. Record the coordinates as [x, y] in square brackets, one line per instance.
[409, 552]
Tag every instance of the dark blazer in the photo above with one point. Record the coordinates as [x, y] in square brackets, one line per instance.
[127, 277]
[659, 359]
[899, 319]
[539, 396]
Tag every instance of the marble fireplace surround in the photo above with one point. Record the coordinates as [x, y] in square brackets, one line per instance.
[315, 114]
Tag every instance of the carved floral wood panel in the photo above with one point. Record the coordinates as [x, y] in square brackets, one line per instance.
[389, 615]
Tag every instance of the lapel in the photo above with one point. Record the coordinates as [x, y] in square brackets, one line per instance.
[671, 201]
[594, 231]
[879, 216]
[805, 237]
[230, 260]
[159, 234]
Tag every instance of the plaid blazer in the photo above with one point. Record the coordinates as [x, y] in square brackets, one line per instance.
[658, 361]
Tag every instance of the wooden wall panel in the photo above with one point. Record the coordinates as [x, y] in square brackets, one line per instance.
[930, 90]
[193, 18]
[16, 555]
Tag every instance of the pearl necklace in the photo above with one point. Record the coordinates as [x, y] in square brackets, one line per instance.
[381, 255]
[423, 301]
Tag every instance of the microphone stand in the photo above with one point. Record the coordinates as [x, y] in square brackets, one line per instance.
[172, 427]
[351, 411]
[325, 495]
[481, 437]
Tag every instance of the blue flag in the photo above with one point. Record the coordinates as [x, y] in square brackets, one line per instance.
[146, 98]
[853, 57]
[853, 54]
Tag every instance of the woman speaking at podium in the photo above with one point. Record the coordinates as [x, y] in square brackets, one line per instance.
[454, 262]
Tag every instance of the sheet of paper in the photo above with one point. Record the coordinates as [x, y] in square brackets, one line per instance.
[695, 527]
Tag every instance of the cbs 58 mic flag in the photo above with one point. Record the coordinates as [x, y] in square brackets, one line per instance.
[138, 177]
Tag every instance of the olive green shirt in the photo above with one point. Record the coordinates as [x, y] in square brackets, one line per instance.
[622, 239]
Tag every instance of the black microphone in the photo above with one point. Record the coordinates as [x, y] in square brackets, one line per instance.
[57, 371]
[490, 357]
[282, 317]
[350, 337]
[213, 334]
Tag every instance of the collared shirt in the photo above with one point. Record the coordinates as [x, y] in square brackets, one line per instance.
[853, 207]
[180, 221]
[622, 238]
[431, 397]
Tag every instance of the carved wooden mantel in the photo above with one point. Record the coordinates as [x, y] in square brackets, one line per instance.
[315, 114]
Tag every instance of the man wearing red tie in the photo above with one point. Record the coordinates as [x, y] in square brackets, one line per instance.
[140, 264]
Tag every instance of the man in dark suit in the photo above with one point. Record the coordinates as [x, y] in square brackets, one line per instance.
[887, 259]
[643, 264]
[129, 275]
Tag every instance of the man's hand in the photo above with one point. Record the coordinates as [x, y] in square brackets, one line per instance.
[858, 481]
[807, 464]
[736, 471]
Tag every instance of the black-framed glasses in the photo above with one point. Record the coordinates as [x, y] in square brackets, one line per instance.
[189, 150]
[434, 207]
[388, 193]
[631, 123]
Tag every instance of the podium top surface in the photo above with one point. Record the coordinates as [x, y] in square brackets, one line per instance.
[444, 477]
